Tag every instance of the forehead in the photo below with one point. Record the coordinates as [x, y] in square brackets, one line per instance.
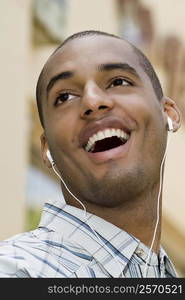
[88, 52]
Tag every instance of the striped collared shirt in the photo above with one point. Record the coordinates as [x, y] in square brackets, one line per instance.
[71, 244]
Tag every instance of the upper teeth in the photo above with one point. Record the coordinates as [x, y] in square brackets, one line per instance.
[107, 133]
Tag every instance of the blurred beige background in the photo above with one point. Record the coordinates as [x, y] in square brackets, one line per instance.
[30, 31]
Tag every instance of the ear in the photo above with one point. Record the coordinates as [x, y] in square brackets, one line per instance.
[44, 148]
[172, 111]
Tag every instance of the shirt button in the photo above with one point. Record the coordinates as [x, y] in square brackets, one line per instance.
[140, 252]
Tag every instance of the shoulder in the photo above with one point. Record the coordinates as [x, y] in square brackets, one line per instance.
[40, 253]
[14, 255]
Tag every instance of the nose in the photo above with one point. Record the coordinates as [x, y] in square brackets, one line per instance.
[94, 101]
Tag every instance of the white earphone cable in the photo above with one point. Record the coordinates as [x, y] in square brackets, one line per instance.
[84, 208]
[158, 208]
[85, 214]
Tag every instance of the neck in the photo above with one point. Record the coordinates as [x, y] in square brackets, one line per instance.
[137, 217]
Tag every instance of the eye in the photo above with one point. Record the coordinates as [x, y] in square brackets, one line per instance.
[63, 97]
[120, 82]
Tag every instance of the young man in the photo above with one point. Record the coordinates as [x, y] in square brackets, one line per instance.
[105, 127]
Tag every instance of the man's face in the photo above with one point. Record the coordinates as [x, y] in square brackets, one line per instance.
[103, 122]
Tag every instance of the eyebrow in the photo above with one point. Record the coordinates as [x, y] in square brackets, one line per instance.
[119, 66]
[61, 76]
[101, 68]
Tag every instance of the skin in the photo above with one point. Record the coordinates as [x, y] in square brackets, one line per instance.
[122, 189]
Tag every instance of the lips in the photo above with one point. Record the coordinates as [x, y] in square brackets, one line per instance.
[110, 123]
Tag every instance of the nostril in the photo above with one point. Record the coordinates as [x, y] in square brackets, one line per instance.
[102, 107]
[88, 112]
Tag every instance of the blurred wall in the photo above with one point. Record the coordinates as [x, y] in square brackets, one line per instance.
[14, 24]
[96, 14]
[168, 16]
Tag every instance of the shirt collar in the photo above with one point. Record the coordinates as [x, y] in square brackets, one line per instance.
[109, 245]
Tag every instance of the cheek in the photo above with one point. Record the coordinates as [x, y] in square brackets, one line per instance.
[138, 107]
[146, 112]
[63, 128]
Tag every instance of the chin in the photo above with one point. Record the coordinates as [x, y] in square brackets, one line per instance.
[117, 188]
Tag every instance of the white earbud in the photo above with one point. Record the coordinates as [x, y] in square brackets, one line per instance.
[170, 124]
[50, 158]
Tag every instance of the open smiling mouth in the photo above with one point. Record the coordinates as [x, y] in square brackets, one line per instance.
[107, 139]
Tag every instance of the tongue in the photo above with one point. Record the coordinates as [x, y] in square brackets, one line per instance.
[107, 144]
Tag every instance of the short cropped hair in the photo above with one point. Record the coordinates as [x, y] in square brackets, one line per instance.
[143, 60]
